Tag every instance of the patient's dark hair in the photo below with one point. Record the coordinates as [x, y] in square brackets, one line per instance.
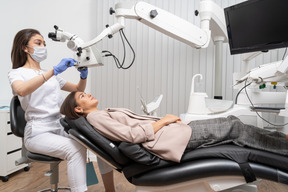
[68, 106]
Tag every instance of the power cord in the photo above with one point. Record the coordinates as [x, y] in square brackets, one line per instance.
[284, 53]
[116, 60]
[236, 98]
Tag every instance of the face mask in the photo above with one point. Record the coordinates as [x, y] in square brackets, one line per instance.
[39, 54]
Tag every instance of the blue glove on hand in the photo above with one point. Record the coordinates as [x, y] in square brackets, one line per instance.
[83, 72]
[63, 65]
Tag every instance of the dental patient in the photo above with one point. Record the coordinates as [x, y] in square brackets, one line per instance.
[168, 137]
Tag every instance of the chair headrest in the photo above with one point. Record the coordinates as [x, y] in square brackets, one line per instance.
[17, 117]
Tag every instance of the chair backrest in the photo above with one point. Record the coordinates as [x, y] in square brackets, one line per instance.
[81, 125]
[17, 117]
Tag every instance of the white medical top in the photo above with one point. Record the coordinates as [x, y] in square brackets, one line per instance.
[45, 101]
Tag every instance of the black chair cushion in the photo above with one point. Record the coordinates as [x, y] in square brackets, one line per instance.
[40, 157]
[138, 154]
[231, 152]
[17, 117]
[202, 169]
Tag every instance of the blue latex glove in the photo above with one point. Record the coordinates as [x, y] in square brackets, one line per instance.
[83, 72]
[63, 65]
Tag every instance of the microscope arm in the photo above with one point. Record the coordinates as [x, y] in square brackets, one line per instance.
[211, 17]
[109, 31]
[170, 24]
[158, 19]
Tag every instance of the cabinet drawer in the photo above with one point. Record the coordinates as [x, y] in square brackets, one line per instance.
[13, 142]
[11, 158]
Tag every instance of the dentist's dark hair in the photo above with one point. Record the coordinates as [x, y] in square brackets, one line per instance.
[21, 39]
[68, 107]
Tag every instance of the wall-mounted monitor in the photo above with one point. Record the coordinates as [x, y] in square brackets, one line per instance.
[257, 25]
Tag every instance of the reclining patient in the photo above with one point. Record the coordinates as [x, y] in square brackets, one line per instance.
[168, 137]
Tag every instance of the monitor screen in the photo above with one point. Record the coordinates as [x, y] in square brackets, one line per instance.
[257, 25]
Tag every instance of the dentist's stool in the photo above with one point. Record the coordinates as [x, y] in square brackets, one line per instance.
[18, 123]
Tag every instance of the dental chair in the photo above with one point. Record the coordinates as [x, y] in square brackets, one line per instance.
[18, 123]
[221, 168]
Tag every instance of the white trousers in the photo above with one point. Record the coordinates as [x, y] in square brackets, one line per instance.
[49, 138]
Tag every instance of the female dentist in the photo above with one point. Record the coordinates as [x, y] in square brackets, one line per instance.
[39, 92]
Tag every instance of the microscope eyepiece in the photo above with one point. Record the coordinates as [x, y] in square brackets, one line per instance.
[52, 36]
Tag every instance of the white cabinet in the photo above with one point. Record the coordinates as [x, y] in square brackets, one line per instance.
[10, 147]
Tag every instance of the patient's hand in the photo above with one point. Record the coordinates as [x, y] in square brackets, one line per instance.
[171, 119]
[168, 119]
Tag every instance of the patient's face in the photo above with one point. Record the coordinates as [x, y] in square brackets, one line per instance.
[85, 101]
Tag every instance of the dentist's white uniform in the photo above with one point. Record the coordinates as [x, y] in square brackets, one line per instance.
[43, 132]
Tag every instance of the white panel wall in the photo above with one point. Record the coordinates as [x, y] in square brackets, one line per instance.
[162, 65]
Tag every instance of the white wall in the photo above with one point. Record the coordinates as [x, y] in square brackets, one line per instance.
[73, 16]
